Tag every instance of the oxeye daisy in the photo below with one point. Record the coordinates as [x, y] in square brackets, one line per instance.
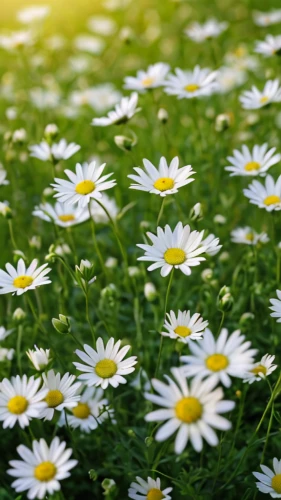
[39, 357]
[219, 359]
[257, 162]
[62, 393]
[21, 400]
[267, 196]
[184, 327]
[148, 490]
[255, 99]
[21, 279]
[211, 243]
[267, 18]
[192, 410]
[248, 236]
[189, 84]
[33, 13]
[84, 185]
[3, 175]
[105, 366]
[270, 480]
[4, 333]
[261, 369]
[201, 32]
[122, 113]
[152, 78]
[42, 468]
[270, 46]
[162, 180]
[276, 307]
[55, 152]
[179, 249]
[61, 214]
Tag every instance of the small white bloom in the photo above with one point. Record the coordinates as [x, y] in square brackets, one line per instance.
[257, 162]
[267, 18]
[152, 78]
[256, 99]
[201, 32]
[58, 151]
[270, 481]
[102, 25]
[60, 214]
[62, 393]
[6, 354]
[33, 13]
[230, 78]
[267, 196]
[270, 46]
[184, 327]
[4, 333]
[44, 99]
[20, 280]
[149, 489]
[261, 369]
[39, 357]
[88, 43]
[16, 40]
[276, 307]
[123, 112]
[212, 244]
[190, 84]
[248, 236]
[150, 292]
[100, 98]
[3, 175]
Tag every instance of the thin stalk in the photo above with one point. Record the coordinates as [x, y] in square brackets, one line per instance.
[18, 348]
[161, 211]
[165, 310]
[88, 317]
[10, 224]
[96, 246]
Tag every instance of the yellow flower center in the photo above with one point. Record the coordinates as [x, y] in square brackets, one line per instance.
[164, 183]
[217, 362]
[154, 494]
[66, 217]
[191, 87]
[252, 165]
[146, 82]
[106, 368]
[271, 200]
[22, 281]
[85, 187]
[82, 411]
[54, 398]
[188, 410]
[45, 471]
[259, 369]
[240, 52]
[17, 405]
[174, 256]
[263, 99]
[182, 331]
[276, 483]
[250, 236]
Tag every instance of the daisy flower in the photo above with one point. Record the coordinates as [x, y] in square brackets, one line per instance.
[219, 359]
[248, 236]
[104, 366]
[102, 25]
[267, 18]
[122, 113]
[62, 215]
[189, 84]
[101, 97]
[255, 99]
[33, 13]
[201, 32]
[55, 152]
[6, 354]
[164, 180]
[91, 44]
[152, 78]
[192, 410]
[40, 470]
[149, 489]
[261, 369]
[16, 40]
[267, 196]
[84, 185]
[179, 249]
[3, 175]
[21, 279]
[21, 400]
[184, 327]
[230, 78]
[5, 333]
[270, 46]
[270, 481]
[211, 243]
[276, 307]
[40, 358]
[62, 393]
[257, 162]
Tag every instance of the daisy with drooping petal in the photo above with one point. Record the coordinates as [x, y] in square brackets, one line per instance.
[257, 162]
[152, 78]
[184, 327]
[148, 490]
[219, 359]
[21, 279]
[105, 366]
[41, 470]
[270, 46]
[191, 410]
[122, 113]
[267, 196]
[248, 236]
[267, 18]
[3, 175]
[21, 400]
[189, 84]
[62, 393]
[276, 307]
[61, 214]
[270, 481]
[5, 333]
[179, 249]
[261, 369]
[255, 99]
[201, 32]
[164, 180]
[211, 243]
[84, 185]
[40, 358]
[58, 151]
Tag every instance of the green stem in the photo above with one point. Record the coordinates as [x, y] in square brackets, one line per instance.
[10, 224]
[267, 433]
[221, 323]
[96, 246]
[88, 317]
[165, 310]
[161, 211]
[19, 339]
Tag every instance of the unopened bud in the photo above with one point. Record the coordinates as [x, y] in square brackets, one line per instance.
[93, 474]
[108, 485]
[223, 122]
[207, 275]
[150, 292]
[5, 210]
[61, 325]
[224, 257]
[220, 219]
[225, 299]
[35, 242]
[246, 320]
[125, 143]
[19, 315]
[163, 115]
[111, 262]
[51, 131]
[196, 213]
[19, 136]
[148, 441]
[126, 34]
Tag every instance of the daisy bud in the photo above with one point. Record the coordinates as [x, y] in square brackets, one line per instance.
[125, 143]
[246, 320]
[126, 34]
[63, 249]
[131, 433]
[223, 122]
[23, 156]
[93, 474]
[163, 115]
[108, 485]
[5, 210]
[40, 358]
[85, 271]
[51, 131]
[134, 271]
[150, 292]
[148, 441]
[224, 257]
[61, 325]
[207, 275]
[48, 192]
[225, 300]
[220, 219]
[8, 136]
[238, 394]
[19, 136]
[111, 262]
[196, 213]
[35, 242]
[19, 315]
[11, 114]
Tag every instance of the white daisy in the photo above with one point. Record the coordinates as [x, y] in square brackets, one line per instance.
[4, 208]
[33, 13]
[16, 40]
[6, 354]
[267, 18]
[102, 25]
[123, 112]
[267, 196]
[62, 393]
[20, 280]
[62, 215]
[270, 481]
[58, 151]
[192, 410]
[276, 307]
[164, 180]
[230, 78]
[44, 99]
[211, 243]
[40, 358]
[152, 78]
[104, 366]
[219, 359]
[101, 98]
[248, 236]
[3, 175]
[189, 84]
[179, 249]
[255, 99]
[99, 215]
[21, 400]
[148, 490]
[84, 185]
[41, 470]
[257, 162]
[261, 369]
[5, 333]
[184, 327]
[201, 32]
[270, 46]
[87, 43]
